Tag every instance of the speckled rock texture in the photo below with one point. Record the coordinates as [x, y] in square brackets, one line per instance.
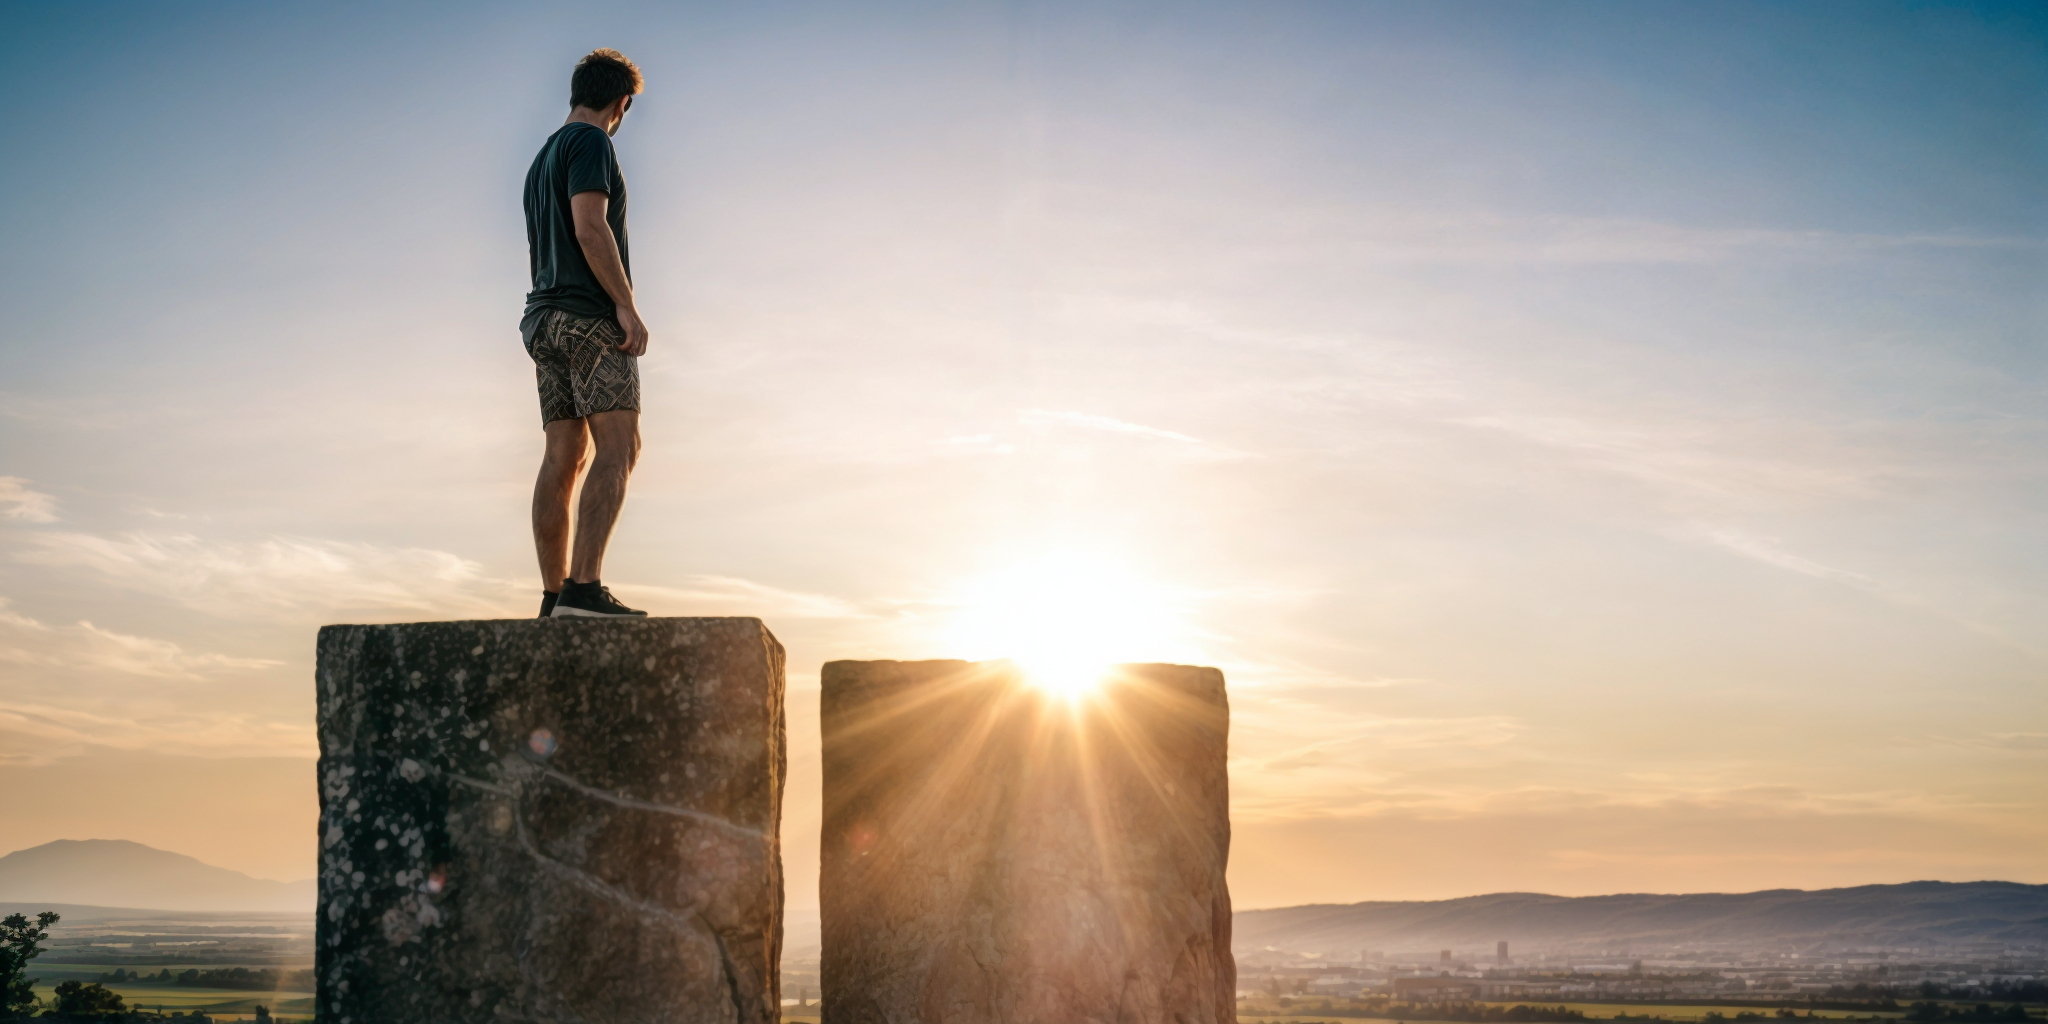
[550, 820]
[993, 853]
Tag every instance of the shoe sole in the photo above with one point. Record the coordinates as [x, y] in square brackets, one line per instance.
[569, 613]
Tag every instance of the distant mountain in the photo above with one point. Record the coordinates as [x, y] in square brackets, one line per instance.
[118, 873]
[1915, 913]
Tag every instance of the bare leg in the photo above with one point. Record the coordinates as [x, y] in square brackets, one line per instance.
[616, 436]
[568, 447]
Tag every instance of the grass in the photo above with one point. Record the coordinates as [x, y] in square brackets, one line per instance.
[215, 1001]
[1283, 1017]
[1313, 1018]
[1700, 1012]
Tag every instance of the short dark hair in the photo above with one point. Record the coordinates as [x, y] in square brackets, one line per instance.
[601, 77]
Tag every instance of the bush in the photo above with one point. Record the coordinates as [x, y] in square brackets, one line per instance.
[88, 999]
[21, 941]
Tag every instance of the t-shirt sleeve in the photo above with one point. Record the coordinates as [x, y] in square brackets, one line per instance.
[590, 162]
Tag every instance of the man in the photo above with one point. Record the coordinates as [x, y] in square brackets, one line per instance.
[585, 336]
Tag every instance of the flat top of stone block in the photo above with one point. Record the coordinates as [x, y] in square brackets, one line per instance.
[995, 663]
[1004, 672]
[629, 622]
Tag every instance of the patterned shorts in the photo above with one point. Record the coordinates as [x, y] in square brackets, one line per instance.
[580, 368]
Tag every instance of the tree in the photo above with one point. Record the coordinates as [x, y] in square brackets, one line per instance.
[20, 942]
[88, 999]
[262, 1015]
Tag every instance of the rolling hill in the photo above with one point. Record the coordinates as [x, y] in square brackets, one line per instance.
[1910, 914]
[118, 873]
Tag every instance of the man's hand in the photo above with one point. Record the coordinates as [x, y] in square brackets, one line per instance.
[601, 249]
[635, 341]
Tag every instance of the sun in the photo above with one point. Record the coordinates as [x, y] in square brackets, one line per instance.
[1063, 618]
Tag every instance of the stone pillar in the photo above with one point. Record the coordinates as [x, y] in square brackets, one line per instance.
[551, 820]
[994, 853]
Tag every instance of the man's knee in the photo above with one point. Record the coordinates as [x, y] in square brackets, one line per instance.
[619, 457]
[568, 464]
[617, 438]
[568, 448]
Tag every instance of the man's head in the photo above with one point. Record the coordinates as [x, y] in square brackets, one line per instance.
[604, 83]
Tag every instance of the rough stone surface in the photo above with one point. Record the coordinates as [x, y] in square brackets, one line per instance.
[556, 820]
[993, 853]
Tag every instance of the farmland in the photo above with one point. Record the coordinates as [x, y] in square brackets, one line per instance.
[1311, 1009]
[214, 1001]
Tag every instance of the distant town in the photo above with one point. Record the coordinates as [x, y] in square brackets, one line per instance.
[227, 966]
[1992, 970]
[1670, 985]
[1915, 953]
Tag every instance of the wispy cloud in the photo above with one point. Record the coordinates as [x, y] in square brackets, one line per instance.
[2029, 741]
[1700, 463]
[1373, 233]
[1106, 424]
[86, 648]
[1437, 409]
[18, 502]
[297, 577]
[2010, 742]
[38, 732]
[1769, 553]
[1091, 421]
[1303, 752]
[81, 685]
[277, 576]
[726, 595]
[1600, 240]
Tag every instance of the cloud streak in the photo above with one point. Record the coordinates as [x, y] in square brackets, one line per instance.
[18, 502]
[39, 732]
[726, 595]
[1110, 425]
[80, 685]
[277, 577]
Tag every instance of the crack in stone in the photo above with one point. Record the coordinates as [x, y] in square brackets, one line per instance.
[488, 787]
[644, 805]
[596, 886]
[725, 964]
[688, 927]
[611, 798]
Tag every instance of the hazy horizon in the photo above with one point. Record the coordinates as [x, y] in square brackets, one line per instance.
[1602, 444]
[5, 899]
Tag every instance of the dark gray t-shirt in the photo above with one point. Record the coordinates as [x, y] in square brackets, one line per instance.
[577, 158]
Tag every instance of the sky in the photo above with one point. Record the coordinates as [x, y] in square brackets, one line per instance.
[1605, 445]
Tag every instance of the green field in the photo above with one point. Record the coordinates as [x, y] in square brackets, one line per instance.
[1593, 1011]
[215, 1001]
[1314, 1018]
[1678, 1014]
[1700, 1012]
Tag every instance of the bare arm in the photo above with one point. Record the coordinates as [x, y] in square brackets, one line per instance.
[602, 250]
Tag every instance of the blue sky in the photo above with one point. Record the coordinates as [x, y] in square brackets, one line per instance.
[1602, 442]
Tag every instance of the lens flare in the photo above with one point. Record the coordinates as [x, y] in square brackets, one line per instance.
[1064, 619]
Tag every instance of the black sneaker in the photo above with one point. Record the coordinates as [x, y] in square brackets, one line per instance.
[547, 603]
[592, 599]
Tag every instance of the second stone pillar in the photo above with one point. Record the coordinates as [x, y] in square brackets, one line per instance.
[997, 853]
